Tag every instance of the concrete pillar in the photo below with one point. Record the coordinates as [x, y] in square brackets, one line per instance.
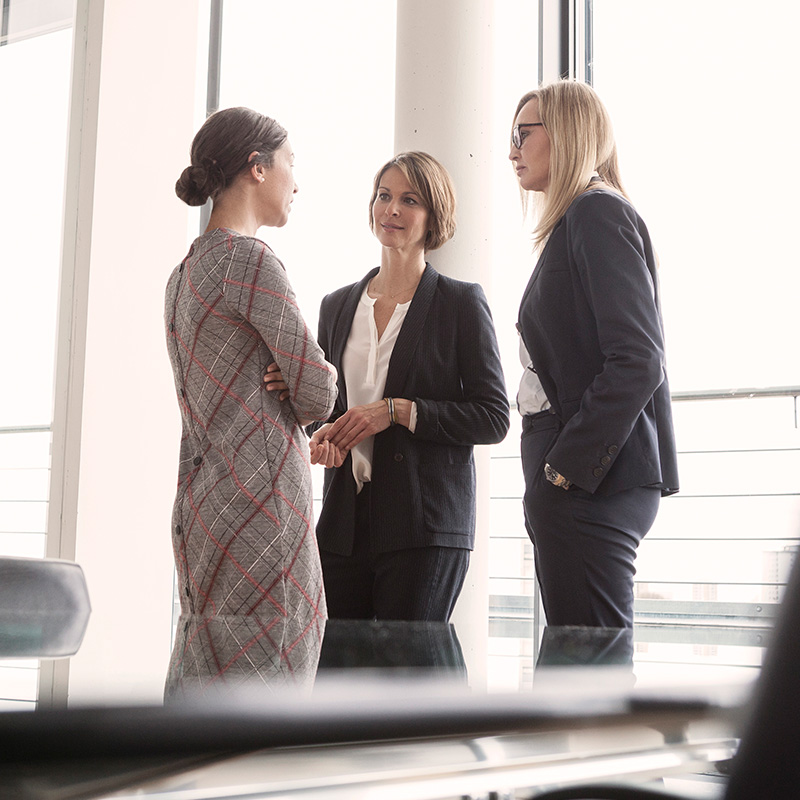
[443, 106]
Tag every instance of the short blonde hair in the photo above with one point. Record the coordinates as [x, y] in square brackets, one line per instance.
[581, 143]
[433, 185]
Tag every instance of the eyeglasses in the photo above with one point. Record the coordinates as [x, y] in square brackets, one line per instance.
[516, 139]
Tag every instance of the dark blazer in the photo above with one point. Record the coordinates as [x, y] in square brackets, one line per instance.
[590, 319]
[423, 483]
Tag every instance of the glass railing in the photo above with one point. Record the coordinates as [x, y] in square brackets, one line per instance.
[711, 571]
[24, 487]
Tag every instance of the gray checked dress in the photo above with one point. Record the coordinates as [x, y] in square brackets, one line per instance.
[242, 524]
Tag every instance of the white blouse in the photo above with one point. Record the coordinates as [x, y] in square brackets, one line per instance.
[531, 398]
[365, 364]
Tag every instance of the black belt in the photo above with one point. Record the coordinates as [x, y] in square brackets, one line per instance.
[548, 417]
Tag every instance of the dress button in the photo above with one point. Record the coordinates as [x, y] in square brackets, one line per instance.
[178, 529]
[605, 460]
[398, 457]
[197, 461]
[171, 327]
[597, 472]
[613, 449]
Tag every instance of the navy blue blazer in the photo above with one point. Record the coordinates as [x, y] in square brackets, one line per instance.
[590, 319]
[446, 359]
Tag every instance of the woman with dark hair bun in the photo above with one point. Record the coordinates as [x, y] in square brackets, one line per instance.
[242, 522]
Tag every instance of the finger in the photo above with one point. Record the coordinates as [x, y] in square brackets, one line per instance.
[319, 434]
[338, 430]
[339, 457]
[336, 426]
[327, 454]
[330, 455]
[349, 438]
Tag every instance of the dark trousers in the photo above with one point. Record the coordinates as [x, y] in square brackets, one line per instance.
[420, 583]
[584, 544]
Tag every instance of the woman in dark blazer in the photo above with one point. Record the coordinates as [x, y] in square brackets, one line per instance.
[420, 383]
[598, 449]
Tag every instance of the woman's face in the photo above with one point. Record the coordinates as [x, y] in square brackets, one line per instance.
[399, 220]
[278, 188]
[532, 158]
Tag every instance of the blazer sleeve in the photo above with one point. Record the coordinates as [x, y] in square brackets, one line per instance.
[481, 414]
[256, 287]
[609, 255]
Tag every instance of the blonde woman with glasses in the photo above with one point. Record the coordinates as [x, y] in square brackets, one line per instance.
[598, 449]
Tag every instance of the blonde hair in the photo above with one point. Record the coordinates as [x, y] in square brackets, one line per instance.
[581, 143]
[433, 185]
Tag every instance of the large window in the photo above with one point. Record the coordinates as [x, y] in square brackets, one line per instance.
[35, 56]
[698, 93]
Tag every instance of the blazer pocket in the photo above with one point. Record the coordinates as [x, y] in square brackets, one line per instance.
[448, 497]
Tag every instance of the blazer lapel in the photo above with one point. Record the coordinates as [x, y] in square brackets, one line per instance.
[341, 330]
[536, 270]
[407, 339]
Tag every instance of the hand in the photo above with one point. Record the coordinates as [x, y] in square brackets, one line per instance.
[324, 452]
[275, 382]
[357, 424]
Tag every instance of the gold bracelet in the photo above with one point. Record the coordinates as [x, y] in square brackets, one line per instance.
[392, 415]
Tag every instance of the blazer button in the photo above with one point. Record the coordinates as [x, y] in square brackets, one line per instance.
[398, 457]
[597, 472]
[178, 529]
[197, 461]
[613, 449]
[605, 460]
[171, 327]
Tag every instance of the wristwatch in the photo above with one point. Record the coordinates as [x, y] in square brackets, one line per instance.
[556, 478]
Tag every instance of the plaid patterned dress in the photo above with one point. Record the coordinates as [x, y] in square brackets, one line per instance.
[242, 522]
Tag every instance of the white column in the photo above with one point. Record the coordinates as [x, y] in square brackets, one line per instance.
[443, 106]
[126, 422]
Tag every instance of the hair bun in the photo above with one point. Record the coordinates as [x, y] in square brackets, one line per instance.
[192, 186]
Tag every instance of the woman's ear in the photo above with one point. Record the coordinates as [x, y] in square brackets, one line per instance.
[256, 170]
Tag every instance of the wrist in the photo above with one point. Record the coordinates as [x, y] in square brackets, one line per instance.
[402, 408]
[391, 409]
[556, 478]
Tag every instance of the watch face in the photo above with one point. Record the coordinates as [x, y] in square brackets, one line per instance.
[556, 478]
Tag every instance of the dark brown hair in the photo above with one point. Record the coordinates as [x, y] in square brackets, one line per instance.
[221, 149]
[432, 183]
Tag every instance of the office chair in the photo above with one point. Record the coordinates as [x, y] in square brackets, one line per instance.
[44, 607]
[767, 764]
